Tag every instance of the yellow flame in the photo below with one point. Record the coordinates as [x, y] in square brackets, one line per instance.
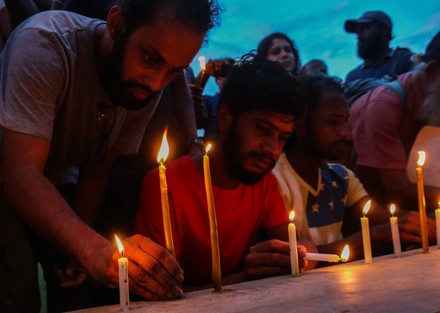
[421, 160]
[367, 207]
[392, 209]
[291, 215]
[120, 246]
[208, 147]
[438, 204]
[202, 62]
[164, 149]
[345, 253]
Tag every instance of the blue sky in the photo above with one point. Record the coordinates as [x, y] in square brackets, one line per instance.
[317, 28]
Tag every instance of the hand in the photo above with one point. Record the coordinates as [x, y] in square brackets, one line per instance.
[153, 272]
[270, 258]
[72, 275]
[409, 229]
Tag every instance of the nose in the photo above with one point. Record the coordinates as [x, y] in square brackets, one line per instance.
[159, 79]
[272, 148]
[345, 131]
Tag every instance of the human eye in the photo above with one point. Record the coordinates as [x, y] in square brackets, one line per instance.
[275, 51]
[262, 128]
[150, 60]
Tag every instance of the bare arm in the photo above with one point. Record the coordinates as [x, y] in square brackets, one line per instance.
[154, 273]
[394, 186]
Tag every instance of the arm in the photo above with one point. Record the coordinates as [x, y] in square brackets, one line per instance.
[396, 188]
[45, 210]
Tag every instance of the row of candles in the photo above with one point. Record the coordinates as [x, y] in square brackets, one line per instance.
[216, 269]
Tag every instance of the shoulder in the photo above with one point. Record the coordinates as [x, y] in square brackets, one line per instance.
[354, 73]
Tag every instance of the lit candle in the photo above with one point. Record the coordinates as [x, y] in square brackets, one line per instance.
[294, 264]
[332, 258]
[215, 250]
[437, 224]
[395, 231]
[124, 297]
[422, 203]
[161, 157]
[202, 78]
[366, 234]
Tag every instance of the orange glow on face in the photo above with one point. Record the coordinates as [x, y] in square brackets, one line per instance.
[164, 149]
[421, 160]
[367, 207]
[345, 253]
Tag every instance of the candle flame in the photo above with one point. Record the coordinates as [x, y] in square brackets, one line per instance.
[164, 149]
[367, 207]
[202, 62]
[421, 160]
[208, 147]
[291, 215]
[392, 209]
[438, 204]
[120, 246]
[345, 253]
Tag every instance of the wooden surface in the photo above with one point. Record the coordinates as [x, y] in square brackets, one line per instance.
[407, 284]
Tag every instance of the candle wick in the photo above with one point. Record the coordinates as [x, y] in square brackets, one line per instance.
[123, 253]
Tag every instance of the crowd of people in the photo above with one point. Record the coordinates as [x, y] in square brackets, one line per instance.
[88, 89]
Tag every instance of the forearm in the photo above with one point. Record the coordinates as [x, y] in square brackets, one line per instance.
[45, 210]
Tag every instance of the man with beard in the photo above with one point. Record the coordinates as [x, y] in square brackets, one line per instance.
[384, 131]
[258, 107]
[77, 93]
[374, 33]
[327, 197]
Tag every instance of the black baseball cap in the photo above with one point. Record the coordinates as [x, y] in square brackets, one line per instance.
[368, 17]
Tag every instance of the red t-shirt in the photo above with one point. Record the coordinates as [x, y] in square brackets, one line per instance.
[240, 212]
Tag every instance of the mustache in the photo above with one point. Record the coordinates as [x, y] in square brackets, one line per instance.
[264, 156]
[130, 84]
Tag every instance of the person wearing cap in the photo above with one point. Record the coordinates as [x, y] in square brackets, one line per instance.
[374, 33]
[383, 132]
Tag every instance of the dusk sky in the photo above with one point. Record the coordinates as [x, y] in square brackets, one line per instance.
[317, 28]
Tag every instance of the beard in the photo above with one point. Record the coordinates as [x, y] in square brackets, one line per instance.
[116, 88]
[431, 104]
[235, 163]
[372, 47]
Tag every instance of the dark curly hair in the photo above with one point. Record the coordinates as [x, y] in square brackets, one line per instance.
[255, 83]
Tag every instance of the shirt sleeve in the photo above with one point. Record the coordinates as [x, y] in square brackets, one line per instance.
[355, 189]
[375, 123]
[30, 89]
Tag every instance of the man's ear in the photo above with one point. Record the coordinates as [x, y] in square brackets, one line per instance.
[224, 118]
[115, 22]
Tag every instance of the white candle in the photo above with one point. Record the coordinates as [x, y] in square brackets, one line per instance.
[215, 249]
[124, 296]
[161, 157]
[366, 234]
[437, 224]
[323, 257]
[334, 258]
[294, 264]
[422, 203]
[395, 231]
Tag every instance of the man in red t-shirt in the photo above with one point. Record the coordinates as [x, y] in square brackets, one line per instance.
[259, 103]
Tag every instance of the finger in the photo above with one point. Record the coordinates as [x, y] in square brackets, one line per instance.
[267, 259]
[273, 245]
[155, 269]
